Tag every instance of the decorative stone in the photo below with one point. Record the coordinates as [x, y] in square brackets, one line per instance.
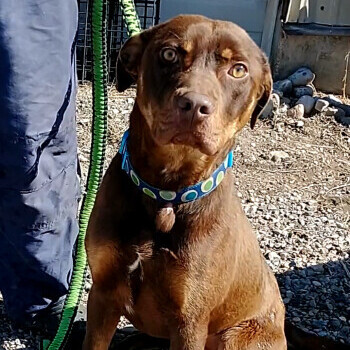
[285, 86]
[321, 105]
[296, 112]
[303, 76]
[303, 90]
[308, 102]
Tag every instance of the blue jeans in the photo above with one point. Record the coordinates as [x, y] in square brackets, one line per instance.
[39, 186]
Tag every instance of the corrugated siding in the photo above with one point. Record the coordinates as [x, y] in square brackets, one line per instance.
[249, 14]
[329, 12]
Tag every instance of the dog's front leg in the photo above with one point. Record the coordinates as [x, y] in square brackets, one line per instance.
[103, 316]
[191, 336]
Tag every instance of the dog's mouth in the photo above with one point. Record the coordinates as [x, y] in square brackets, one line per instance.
[189, 138]
[196, 140]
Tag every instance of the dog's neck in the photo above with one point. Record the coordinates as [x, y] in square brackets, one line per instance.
[169, 167]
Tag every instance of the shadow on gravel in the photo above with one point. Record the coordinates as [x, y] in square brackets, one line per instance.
[317, 299]
[11, 338]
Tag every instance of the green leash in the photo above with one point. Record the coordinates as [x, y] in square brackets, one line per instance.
[98, 146]
[131, 19]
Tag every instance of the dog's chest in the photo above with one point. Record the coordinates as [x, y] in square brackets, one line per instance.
[160, 289]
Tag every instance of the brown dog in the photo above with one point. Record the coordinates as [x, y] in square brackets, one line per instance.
[192, 272]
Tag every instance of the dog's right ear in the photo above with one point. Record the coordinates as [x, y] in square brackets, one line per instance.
[265, 90]
[129, 60]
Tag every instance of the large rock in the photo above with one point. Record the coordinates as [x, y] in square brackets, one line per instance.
[342, 118]
[278, 92]
[336, 102]
[308, 102]
[285, 86]
[340, 113]
[303, 76]
[302, 91]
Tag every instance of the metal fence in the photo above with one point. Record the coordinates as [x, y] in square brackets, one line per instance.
[148, 11]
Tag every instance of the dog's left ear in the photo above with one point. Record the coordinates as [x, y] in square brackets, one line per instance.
[264, 92]
[129, 60]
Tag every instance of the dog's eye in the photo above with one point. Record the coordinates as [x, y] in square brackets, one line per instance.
[239, 70]
[169, 55]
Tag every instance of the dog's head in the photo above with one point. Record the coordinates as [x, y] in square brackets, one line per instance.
[198, 81]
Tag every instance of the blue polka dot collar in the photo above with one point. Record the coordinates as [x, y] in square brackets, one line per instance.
[184, 195]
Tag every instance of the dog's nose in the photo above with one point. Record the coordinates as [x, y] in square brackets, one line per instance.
[193, 104]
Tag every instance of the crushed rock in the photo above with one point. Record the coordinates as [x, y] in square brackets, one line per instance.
[299, 209]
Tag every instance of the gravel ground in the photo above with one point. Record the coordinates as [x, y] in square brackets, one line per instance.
[294, 182]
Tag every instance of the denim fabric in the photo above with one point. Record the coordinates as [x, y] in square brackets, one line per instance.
[39, 187]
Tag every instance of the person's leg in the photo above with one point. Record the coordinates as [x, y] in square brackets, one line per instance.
[39, 187]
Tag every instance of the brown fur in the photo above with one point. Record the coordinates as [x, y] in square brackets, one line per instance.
[204, 284]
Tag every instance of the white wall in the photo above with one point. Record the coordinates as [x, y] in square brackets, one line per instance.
[249, 14]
